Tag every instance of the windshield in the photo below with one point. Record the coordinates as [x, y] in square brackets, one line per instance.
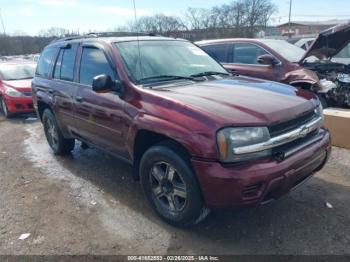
[290, 52]
[17, 72]
[179, 59]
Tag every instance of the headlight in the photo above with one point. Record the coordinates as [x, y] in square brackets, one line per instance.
[13, 92]
[230, 138]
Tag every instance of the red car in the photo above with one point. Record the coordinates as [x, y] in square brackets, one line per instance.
[318, 69]
[15, 87]
[198, 137]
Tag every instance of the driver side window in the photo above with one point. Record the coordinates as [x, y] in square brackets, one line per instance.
[245, 53]
[93, 63]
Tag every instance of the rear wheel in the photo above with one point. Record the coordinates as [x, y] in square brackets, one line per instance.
[4, 108]
[58, 144]
[170, 186]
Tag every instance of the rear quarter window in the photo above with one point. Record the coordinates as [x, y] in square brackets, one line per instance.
[45, 62]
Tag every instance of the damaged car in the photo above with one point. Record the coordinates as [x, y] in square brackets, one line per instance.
[280, 61]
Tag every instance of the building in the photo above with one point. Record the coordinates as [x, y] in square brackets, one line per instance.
[306, 29]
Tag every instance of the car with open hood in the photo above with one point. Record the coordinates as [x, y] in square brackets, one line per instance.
[16, 88]
[198, 137]
[281, 61]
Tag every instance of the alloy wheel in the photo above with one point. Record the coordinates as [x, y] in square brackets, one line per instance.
[168, 187]
[51, 133]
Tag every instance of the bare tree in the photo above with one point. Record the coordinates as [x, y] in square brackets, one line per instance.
[198, 18]
[258, 13]
[244, 15]
[158, 23]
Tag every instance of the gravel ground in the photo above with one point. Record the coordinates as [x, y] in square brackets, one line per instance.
[87, 203]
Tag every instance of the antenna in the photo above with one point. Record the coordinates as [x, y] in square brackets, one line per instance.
[138, 40]
[289, 20]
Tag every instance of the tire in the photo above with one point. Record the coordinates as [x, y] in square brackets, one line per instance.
[4, 108]
[58, 144]
[170, 186]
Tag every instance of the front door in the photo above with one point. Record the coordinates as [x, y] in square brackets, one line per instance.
[243, 59]
[99, 116]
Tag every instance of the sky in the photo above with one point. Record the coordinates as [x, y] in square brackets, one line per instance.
[30, 16]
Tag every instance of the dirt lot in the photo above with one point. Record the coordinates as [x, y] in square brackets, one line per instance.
[88, 204]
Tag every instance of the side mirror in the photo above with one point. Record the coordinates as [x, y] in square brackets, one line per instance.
[267, 60]
[104, 83]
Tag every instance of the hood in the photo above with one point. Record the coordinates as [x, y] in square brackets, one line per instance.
[329, 42]
[242, 101]
[20, 85]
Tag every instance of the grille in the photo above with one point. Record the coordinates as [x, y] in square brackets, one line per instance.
[290, 125]
[297, 145]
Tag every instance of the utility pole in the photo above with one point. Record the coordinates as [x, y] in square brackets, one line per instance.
[2, 22]
[289, 23]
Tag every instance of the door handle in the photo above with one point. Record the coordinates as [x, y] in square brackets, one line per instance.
[79, 99]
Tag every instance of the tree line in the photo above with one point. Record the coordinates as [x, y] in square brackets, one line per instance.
[245, 15]
[239, 18]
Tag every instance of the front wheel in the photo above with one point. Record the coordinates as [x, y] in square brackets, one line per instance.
[58, 144]
[4, 108]
[170, 186]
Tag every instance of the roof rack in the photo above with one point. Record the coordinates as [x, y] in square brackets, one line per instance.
[104, 34]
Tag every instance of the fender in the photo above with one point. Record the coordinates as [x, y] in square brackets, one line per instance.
[301, 76]
[185, 137]
[43, 97]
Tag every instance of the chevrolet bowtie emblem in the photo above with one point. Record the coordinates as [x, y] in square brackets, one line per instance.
[304, 131]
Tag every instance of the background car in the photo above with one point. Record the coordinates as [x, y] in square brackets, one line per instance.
[15, 87]
[304, 43]
[280, 61]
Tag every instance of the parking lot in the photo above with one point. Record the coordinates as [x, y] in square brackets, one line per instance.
[88, 203]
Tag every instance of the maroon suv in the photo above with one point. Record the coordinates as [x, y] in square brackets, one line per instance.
[198, 137]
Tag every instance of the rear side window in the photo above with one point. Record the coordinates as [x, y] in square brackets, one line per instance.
[64, 68]
[247, 53]
[94, 63]
[218, 52]
[45, 62]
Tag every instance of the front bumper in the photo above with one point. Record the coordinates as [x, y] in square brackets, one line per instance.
[260, 181]
[19, 104]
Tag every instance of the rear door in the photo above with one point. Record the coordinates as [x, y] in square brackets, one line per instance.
[63, 85]
[56, 89]
[100, 116]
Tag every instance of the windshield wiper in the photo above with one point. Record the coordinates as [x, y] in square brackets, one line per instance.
[210, 73]
[166, 78]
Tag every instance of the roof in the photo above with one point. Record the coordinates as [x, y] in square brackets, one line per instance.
[113, 39]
